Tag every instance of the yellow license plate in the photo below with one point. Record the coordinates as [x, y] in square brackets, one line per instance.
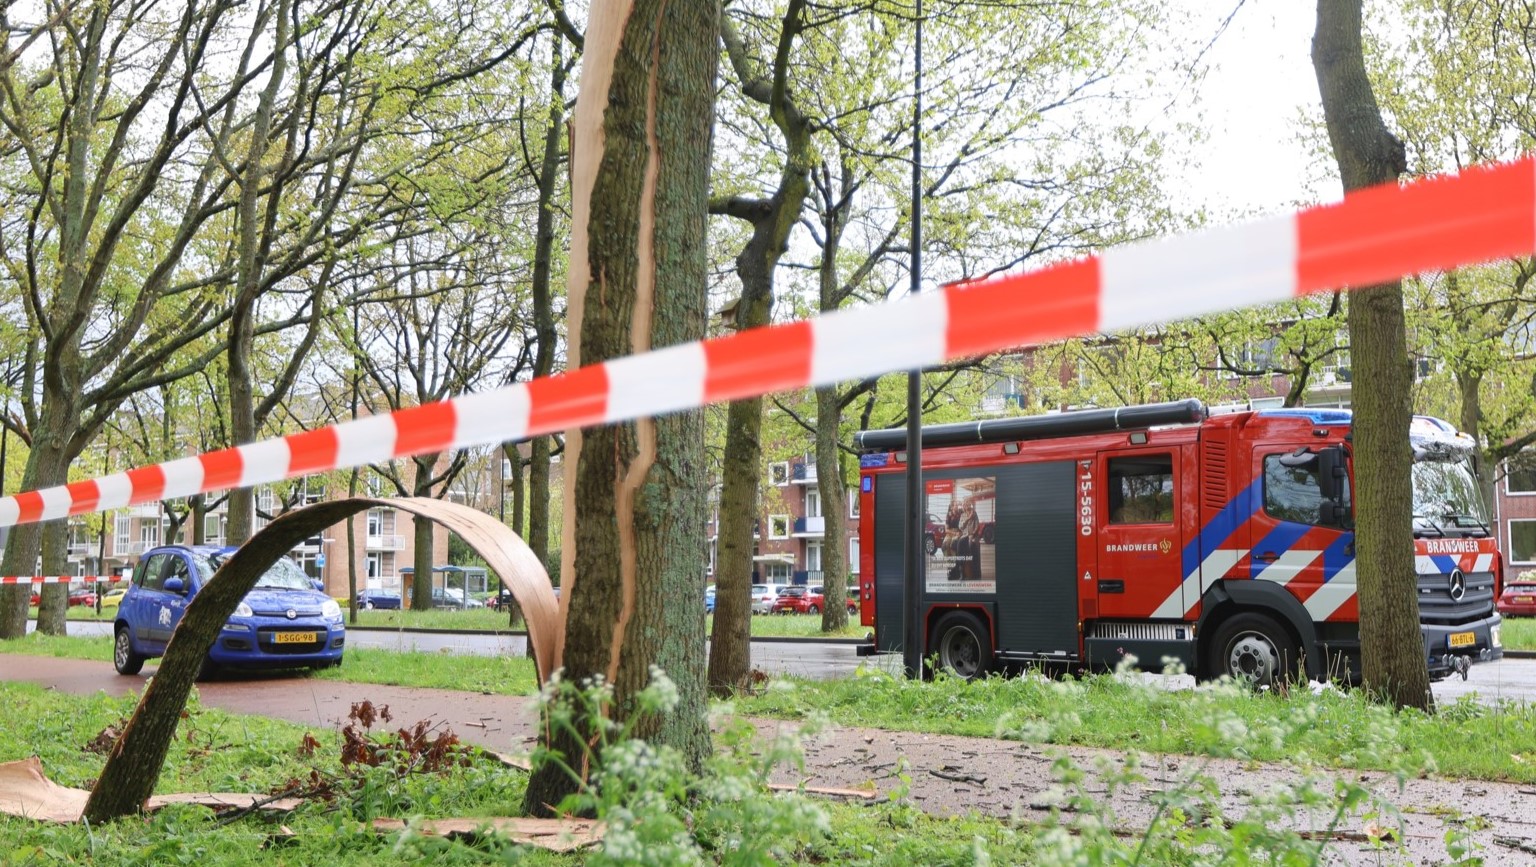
[309, 638]
[1462, 639]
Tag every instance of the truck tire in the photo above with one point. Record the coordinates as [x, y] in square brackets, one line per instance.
[1252, 647]
[962, 645]
[123, 657]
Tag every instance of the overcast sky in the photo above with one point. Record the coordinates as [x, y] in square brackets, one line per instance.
[1260, 85]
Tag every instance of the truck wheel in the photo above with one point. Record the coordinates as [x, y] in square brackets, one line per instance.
[123, 657]
[963, 646]
[1254, 648]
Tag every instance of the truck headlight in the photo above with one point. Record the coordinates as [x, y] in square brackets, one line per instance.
[1493, 636]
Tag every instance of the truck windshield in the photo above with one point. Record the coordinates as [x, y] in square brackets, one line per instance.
[1446, 499]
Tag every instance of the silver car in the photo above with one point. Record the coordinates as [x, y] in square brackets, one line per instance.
[763, 596]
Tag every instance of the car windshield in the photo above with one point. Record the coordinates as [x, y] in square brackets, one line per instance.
[282, 575]
[1445, 497]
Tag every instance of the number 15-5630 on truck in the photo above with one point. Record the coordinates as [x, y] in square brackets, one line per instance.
[1223, 541]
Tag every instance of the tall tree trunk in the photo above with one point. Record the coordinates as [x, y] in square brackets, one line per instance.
[27, 544]
[829, 481]
[772, 219]
[1392, 645]
[421, 578]
[635, 492]
[543, 306]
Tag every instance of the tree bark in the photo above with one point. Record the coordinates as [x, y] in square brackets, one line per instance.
[421, 564]
[1392, 645]
[635, 492]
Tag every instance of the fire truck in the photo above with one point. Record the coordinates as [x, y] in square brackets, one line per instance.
[1222, 540]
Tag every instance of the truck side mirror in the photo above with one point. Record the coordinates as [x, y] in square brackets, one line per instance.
[1333, 484]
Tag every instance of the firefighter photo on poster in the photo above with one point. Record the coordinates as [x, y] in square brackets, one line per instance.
[960, 518]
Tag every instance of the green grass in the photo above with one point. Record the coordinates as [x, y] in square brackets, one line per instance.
[1334, 728]
[1518, 633]
[217, 751]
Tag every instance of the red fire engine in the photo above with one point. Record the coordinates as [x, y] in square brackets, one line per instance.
[1164, 531]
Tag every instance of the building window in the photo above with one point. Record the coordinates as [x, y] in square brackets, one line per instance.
[1141, 490]
[375, 565]
[714, 550]
[778, 473]
[1520, 480]
[778, 573]
[375, 523]
[149, 534]
[813, 556]
[778, 526]
[1522, 540]
[853, 555]
[212, 528]
[123, 534]
[853, 504]
[813, 503]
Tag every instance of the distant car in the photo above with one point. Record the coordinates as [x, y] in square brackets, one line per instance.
[453, 597]
[799, 600]
[1519, 597]
[113, 597]
[763, 596]
[371, 599]
[282, 623]
[84, 596]
[709, 599]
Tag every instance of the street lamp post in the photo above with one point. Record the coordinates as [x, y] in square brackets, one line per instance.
[912, 614]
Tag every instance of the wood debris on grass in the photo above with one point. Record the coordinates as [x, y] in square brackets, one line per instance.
[27, 792]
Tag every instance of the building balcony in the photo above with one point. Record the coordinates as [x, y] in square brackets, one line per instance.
[80, 549]
[810, 528]
[809, 576]
[803, 474]
[385, 543]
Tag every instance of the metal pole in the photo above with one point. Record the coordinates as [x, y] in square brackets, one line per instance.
[913, 633]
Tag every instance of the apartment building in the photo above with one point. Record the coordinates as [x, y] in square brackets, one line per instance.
[790, 535]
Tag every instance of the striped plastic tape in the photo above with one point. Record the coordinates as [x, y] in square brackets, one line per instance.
[1371, 236]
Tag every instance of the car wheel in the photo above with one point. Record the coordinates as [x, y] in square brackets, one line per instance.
[368, 606]
[963, 647]
[813, 609]
[929, 546]
[853, 610]
[123, 657]
[1255, 649]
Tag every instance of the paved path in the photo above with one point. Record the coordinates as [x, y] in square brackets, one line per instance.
[948, 774]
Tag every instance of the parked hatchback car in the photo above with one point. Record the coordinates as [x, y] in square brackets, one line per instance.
[799, 600]
[453, 597]
[763, 596]
[1519, 596]
[282, 623]
[84, 596]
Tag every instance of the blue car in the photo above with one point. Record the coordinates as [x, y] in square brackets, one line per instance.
[284, 622]
[709, 599]
[371, 599]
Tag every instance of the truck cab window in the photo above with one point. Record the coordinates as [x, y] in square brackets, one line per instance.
[1141, 489]
[1291, 493]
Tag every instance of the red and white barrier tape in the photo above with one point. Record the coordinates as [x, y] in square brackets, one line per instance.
[61, 579]
[1370, 237]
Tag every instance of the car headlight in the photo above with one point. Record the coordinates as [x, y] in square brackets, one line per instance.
[243, 610]
[331, 610]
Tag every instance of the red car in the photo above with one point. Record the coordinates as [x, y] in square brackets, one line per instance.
[83, 597]
[1519, 597]
[810, 600]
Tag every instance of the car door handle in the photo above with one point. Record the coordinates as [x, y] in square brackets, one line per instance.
[1267, 557]
[1115, 586]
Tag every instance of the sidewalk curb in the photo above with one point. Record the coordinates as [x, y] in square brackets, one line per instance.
[522, 633]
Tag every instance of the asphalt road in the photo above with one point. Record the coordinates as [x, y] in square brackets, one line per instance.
[814, 659]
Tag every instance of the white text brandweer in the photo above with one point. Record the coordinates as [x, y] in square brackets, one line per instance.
[1451, 546]
[1139, 546]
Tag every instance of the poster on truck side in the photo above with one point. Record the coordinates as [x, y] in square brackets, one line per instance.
[959, 535]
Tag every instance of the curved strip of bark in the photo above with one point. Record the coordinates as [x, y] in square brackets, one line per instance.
[136, 759]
